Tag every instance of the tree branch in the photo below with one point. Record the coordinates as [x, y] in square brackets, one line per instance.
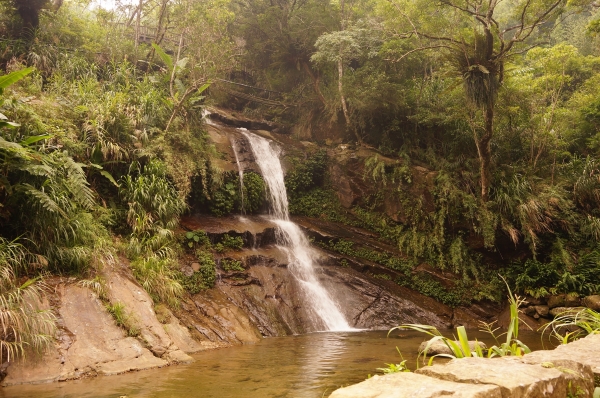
[416, 50]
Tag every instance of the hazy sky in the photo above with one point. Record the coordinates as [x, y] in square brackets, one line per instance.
[111, 4]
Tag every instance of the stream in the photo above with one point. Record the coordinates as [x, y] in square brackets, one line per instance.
[304, 366]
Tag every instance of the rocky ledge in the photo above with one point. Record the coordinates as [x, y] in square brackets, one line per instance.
[568, 370]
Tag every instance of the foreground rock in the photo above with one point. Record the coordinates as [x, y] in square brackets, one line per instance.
[411, 385]
[568, 370]
[515, 379]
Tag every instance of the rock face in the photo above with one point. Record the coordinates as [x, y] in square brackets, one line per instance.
[266, 300]
[89, 344]
[568, 369]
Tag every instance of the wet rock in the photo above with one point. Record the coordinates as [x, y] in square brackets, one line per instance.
[533, 323]
[572, 300]
[411, 385]
[557, 300]
[529, 300]
[542, 310]
[438, 347]
[178, 356]
[558, 311]
[514, 378]
[592, 302]
[529, 311]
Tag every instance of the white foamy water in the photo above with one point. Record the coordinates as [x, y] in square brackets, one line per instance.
[240, 170]
[290, 237]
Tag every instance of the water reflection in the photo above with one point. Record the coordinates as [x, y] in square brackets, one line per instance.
[307, 366]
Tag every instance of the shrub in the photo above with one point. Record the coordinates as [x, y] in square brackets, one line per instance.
[229, 265]
[307, 174]
[204, 278]
[232, 242]
[254, 192]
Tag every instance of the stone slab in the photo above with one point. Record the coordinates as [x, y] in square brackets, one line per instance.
[413, 385]
[578, 374]
[143, 362]
[585, 351]
[178, 356]
[515, 379]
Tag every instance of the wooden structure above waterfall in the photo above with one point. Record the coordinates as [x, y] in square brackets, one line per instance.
[147, 34]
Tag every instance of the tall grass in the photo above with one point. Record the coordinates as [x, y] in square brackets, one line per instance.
[158, 278]
[24, 325]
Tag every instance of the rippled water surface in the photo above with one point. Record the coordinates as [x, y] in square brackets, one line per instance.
[307, 366]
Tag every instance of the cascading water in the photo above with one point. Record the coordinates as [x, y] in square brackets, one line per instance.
[300, 255]
[240, 171]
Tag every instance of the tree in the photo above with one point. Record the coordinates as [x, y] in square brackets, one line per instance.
[29, 11]
[478, 37]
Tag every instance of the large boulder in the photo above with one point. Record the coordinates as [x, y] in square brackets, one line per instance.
[559, 311]
[592, 302]
[89, 343]
[439, 347]
[564, 300]
[557, 300]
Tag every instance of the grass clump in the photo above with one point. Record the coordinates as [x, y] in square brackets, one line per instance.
[159, 278]
[124, 319]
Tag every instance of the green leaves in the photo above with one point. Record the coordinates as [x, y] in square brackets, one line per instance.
[13, 77]
[163, 56]
[6, 81]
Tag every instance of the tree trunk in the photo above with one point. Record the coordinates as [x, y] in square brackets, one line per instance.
[315, 79]
[343, 99]
[137, 26]
[485, 152]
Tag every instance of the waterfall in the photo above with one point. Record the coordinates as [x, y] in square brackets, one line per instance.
[240, 171]
[292, 240]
